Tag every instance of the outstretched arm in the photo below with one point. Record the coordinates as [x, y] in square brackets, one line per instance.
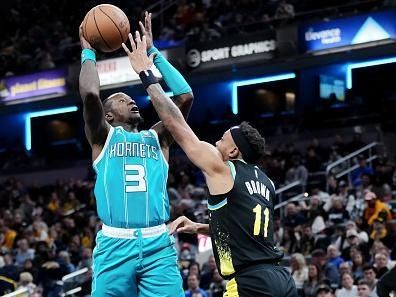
[202, 154]
[183, 97]
[185, 225]
[96, 128]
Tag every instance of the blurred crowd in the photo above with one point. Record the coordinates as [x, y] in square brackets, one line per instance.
[43, 34]
[341, 238]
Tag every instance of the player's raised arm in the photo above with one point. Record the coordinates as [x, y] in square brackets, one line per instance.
[96, 128]
[182, 92]
[202, 154]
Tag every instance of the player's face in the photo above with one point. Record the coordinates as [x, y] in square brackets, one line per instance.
[124, 109]
[226, 146]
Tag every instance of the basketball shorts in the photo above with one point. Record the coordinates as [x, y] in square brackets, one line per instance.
[135, 263]
[262, 280]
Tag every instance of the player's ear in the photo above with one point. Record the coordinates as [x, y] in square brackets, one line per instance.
[233, 154]
[109, 116]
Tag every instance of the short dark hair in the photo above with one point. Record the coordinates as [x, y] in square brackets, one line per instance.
[369, 267]
[256, 141]
[318, 253]
[363, 282]
[107, 103]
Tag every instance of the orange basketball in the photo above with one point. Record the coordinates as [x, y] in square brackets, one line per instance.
[105, 27]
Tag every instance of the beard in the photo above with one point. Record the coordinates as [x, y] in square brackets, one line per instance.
[136, 121]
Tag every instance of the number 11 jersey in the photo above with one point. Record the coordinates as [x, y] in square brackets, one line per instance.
[132, 173]
[241, 221]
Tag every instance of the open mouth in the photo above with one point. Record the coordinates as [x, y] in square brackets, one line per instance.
[135, 109]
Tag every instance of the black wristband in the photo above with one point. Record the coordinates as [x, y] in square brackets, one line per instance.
[147, 77]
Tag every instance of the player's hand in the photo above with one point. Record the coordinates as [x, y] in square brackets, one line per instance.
[183, 225]
[146, 30]
[138, 56]
[83, 41]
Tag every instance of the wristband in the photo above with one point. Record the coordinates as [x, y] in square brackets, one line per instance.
[88, 54]
[147, 77]
[171, 76]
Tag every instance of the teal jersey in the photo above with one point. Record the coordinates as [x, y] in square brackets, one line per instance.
[131, 180]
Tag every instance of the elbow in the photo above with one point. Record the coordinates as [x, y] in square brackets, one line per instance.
[186, 99]
[89, 96]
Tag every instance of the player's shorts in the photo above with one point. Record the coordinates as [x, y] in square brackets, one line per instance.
[262, 280]
[135, 263]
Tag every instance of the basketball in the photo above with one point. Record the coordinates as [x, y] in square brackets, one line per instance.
[106, 27]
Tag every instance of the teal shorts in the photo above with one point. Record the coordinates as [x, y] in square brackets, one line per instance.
[138, 267]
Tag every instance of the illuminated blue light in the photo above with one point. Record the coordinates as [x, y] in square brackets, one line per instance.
[42, 113]
[169, 94]
[365, 64]
[255, 81]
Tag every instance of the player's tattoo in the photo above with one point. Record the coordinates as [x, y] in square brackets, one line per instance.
[162, 104]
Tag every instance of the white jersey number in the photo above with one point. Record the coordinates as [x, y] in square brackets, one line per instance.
[135, 174]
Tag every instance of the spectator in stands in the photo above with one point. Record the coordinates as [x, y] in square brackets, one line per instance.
[9, 235]
[297, 172]
[380, 233]
[26, 282]
[324, 290]
[353, 241]
[362, 235]
[337, 213]
[193, 269]
[314, 278]
[347, 197]
[329, 270]
[64, 261]
[333, 254]
[381, 263]
[375, 209]
[364, 289]
[313, 162]
[9, 270]
[357, 265]
[348, 289]
[278, 231]
[28, 267]
[370, 276]
[86, 259]
[345, 267]
[293, 218]
[193, 287]
[299, 270]
[24, 252]
[207, 275]
[218, 286]
[307, 244]
[356, 175]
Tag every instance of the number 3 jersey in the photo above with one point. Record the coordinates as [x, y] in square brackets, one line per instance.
[241, 221]
[132, 173]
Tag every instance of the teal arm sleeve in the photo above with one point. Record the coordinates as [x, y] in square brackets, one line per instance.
[171, 75]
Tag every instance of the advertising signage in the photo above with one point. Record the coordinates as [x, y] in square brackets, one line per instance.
[228, 51]
[118, 71]
[43, 85]
[347, 31]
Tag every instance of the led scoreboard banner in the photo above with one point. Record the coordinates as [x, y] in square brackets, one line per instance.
[349, 31]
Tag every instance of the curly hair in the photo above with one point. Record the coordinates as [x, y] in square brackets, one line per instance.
[256, 141]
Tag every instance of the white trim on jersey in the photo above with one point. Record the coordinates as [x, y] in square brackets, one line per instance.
[98, 158]
[159, 145]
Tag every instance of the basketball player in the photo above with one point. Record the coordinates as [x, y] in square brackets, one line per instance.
[134, 254]
[241, 195]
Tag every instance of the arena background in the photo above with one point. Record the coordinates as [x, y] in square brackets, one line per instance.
[316, 77]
